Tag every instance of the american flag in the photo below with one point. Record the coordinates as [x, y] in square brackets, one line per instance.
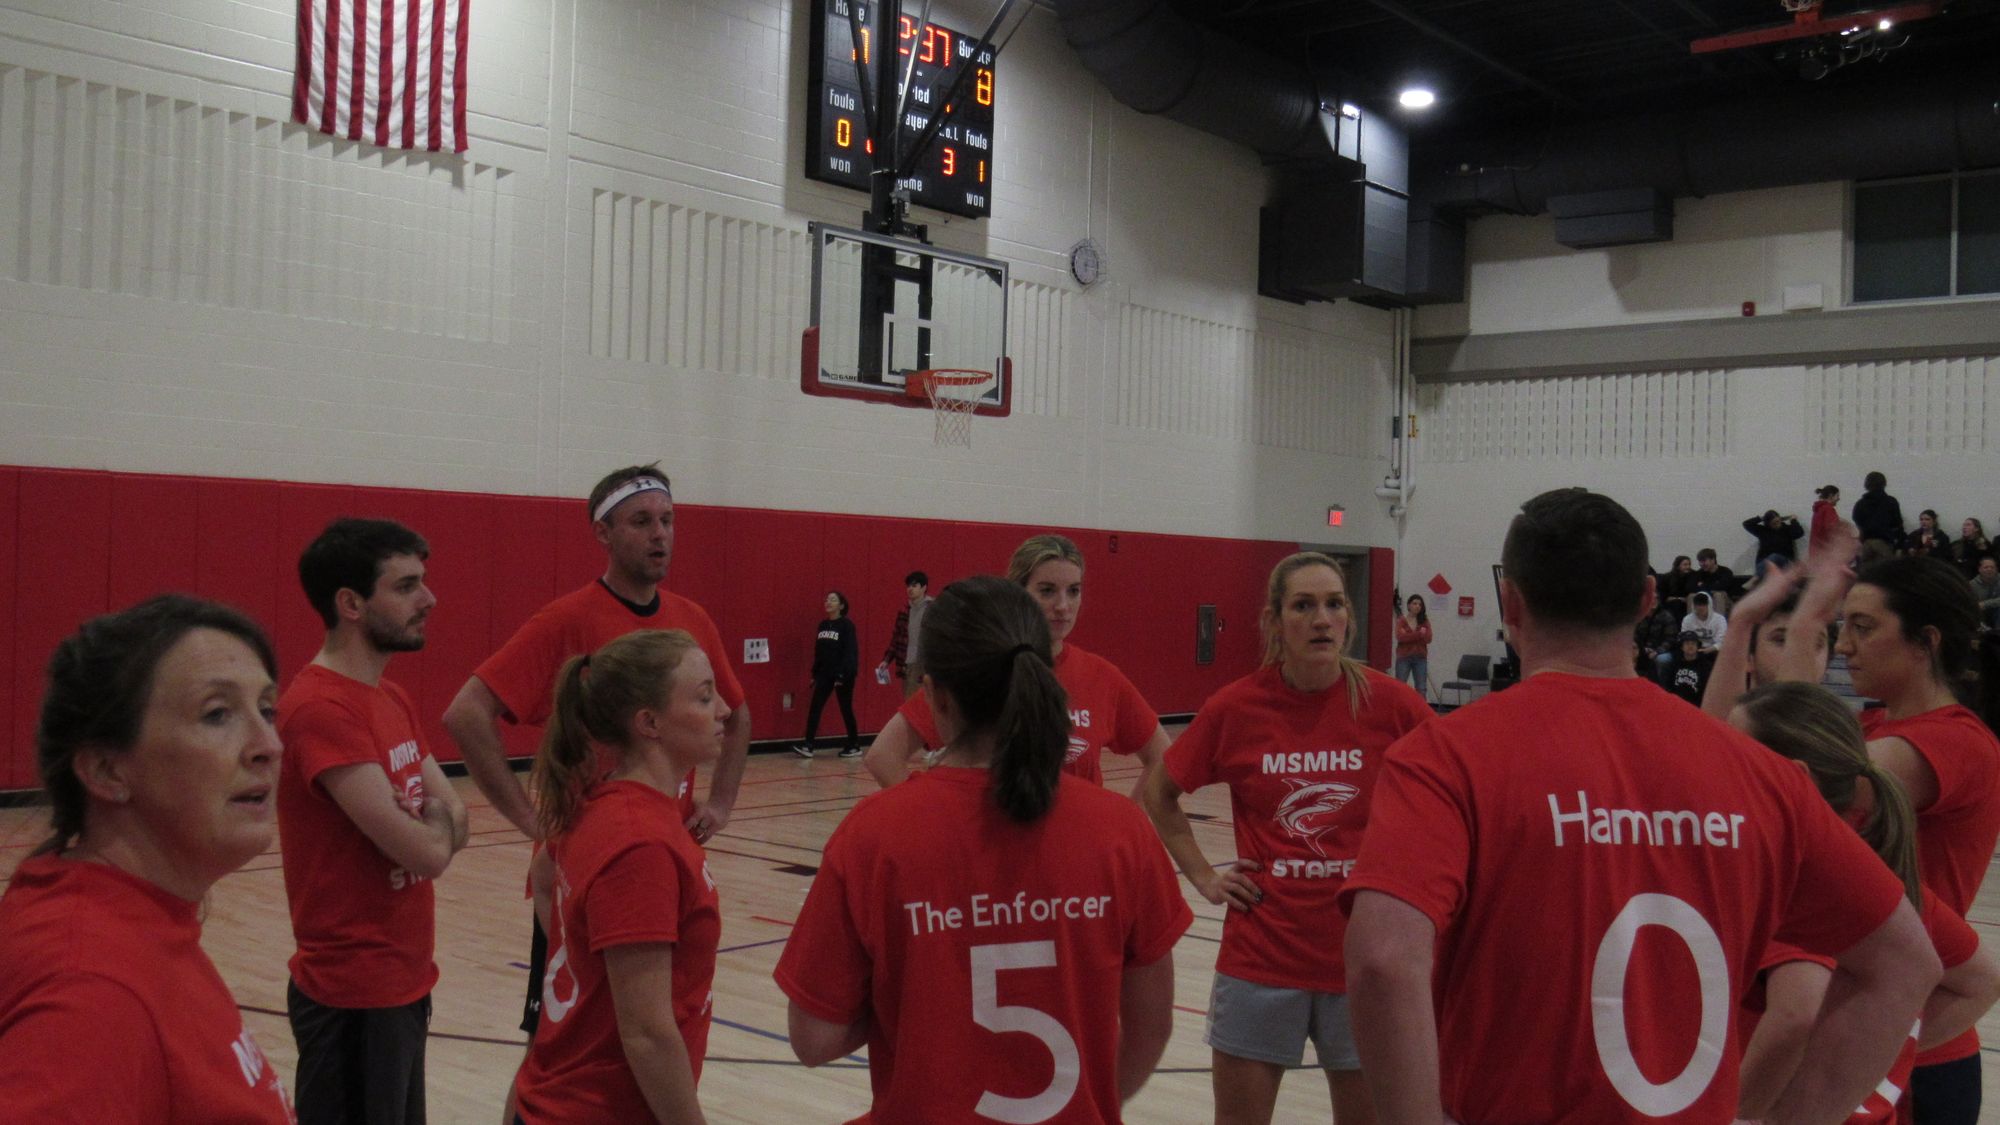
[386, 72]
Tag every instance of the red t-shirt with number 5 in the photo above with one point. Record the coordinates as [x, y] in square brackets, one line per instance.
[1576, 837]
[991, 951]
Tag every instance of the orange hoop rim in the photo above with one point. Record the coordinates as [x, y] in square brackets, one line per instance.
[918, 383]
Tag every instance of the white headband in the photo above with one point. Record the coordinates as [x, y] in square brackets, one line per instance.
[627, 491]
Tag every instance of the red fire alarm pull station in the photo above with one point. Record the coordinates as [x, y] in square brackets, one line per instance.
[1465, 606]
[1335, 515]
[1749, 308]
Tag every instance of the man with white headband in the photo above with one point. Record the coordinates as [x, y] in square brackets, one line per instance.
[632, 514]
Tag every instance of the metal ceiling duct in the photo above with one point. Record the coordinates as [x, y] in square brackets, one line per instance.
[1911, 126]
[1155, 60]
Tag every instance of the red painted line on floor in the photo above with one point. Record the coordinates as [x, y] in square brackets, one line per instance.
[773, 921]
[1190, 1011]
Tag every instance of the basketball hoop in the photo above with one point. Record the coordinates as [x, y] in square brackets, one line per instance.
[1797, 6]
[952, 392]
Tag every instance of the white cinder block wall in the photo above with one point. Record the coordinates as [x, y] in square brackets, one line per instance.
[618, 270]
[1692, 453]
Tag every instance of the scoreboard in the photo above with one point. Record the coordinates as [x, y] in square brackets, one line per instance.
[956, 173]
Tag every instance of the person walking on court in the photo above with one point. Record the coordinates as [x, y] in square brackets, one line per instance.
[1909, 635]
[1105, 711]
[1413, 645]
[1587, 795]
[905, 652]
[622, 888]
[366, 819]
[836, 657]
[632, 515]
[157, 749]
[992, 893]
[1299, 743]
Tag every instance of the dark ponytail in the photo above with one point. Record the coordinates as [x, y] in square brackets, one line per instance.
[596, 697]
[986, 644]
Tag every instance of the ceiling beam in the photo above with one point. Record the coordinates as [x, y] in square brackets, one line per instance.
[1402, 12]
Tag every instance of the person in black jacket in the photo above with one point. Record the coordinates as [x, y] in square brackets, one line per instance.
[836, 657]
[1879, 518]
[1777, 538]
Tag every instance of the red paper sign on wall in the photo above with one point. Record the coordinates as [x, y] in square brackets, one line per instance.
[1465, 606]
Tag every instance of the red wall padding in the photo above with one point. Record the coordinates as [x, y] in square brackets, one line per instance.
[87, 542]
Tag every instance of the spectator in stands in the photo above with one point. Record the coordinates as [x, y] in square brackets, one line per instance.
[1928, 538]
[1708, 626]
[1711, 577]
[1970, 547]
[1880, 518]
[1688, 676]
[1674, 585]
[1656, 637]
[1986, 587]
[1777, 538]
[1825, 516]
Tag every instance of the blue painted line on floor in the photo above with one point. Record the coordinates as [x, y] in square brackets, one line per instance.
[744, 1027]
[753, 945]
[521, 965]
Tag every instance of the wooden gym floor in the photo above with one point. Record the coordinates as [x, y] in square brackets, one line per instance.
[763, 864]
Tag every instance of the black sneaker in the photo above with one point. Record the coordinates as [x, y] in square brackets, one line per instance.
[802, 750]
[852, 752]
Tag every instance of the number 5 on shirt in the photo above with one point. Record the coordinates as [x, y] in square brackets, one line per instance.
[988, 962]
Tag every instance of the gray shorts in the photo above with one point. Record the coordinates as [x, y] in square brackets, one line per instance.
[1257, 1021]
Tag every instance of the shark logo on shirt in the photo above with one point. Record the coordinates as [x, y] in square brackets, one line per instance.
[1308, 811]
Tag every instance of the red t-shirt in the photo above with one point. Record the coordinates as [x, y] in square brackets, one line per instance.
[627, 873]
[1956, 832]
[365, 927]
[1956, 943]
[111, 1014]
[1300, 767]
[1105, 713]
[946, 925]
[1574, 837]
[523, 672]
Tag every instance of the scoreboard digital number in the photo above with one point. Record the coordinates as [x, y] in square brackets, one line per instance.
[956, 173]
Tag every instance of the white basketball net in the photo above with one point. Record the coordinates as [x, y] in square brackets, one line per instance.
[952, 395]
[1796, 6]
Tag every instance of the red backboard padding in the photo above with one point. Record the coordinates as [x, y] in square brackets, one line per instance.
[80, 543]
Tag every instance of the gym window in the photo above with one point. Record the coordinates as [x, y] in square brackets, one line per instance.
[1933, 236]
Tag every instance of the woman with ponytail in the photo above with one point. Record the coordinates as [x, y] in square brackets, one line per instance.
[1909, 633]
[994, 875]
[622, 888]
[1299, 743]
[1810, 726]
[1106, 712]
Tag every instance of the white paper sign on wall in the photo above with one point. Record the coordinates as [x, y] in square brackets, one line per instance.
[756, 650]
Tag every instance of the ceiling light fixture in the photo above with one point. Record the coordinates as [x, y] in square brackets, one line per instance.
[1883, 26]
[1416, 97]
[1350, 110]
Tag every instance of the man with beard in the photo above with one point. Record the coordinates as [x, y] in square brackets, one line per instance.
[632, 514]
[366, 819]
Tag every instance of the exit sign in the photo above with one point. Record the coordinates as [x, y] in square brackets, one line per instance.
[1335, 515]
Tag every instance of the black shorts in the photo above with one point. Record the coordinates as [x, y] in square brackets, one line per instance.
[1946, 1093]
[538, 959]
[363, 1066]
